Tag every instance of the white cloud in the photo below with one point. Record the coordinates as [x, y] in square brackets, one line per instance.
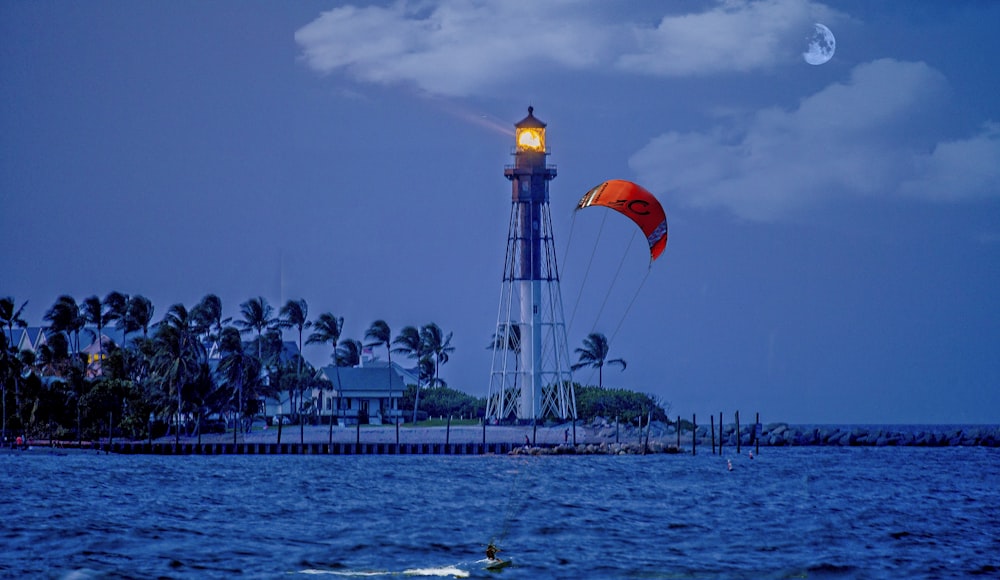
[867, 137]
[452, 47]
[468, 47]
[959, 169]
[736, 35]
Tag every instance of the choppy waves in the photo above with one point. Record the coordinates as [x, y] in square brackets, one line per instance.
[790, 512]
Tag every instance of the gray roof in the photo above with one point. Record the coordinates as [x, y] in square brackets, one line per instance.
[364, 381]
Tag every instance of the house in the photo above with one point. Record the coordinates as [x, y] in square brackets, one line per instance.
[96, 352]
[363, 394]
[30, 338]
[33, 338]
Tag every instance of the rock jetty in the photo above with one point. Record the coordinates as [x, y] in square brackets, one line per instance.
[663, 438]
[606, 438]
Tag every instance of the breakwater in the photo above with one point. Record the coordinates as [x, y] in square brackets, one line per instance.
[785, 435]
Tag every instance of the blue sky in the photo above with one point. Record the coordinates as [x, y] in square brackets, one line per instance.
[834, 250]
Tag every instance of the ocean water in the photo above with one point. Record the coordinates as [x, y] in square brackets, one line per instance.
[788, 513]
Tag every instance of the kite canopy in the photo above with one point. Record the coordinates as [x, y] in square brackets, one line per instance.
[636, 203]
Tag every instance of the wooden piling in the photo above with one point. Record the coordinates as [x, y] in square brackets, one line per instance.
[694, 434]
[756, 434]
[720, 433]
[712, 429]
[738, 433]
[447, 431]
[649, 425]
[678, 432]
[357, 438]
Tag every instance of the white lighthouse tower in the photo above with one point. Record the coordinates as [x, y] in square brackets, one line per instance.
[530, 378]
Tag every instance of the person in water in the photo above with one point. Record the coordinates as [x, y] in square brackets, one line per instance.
[491, 552]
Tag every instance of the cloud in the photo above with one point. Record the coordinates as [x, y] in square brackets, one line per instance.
[870, 136]
[734, 36]
[452, 48]
[959, 169]
[471, 47]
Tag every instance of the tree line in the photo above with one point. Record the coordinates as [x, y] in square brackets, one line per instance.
[191, 365]
[195, 364]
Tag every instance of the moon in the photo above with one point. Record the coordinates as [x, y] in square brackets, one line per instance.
[822, 45]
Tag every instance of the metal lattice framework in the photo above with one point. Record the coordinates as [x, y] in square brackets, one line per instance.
[530, 376]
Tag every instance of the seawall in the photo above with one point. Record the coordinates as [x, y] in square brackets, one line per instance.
[134, 448]
[600, 437]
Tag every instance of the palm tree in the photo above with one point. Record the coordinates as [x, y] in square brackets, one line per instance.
[140, 312]
[237, 369]
[202, 394]
[93, 312]
[327, 330]
[65, 316]
[409, 343]
[11, 317]
[54, 357]
[129, 313]
[594, 354]
[295, 314]
[208, 316]
[281, 376]
[508, 338]
[438, 346]
[117, 305]
[178, 355]
[9, 371]
[379, 334]
[257, 317]
[349, 353]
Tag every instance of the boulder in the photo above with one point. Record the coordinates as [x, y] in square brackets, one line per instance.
[776, 428]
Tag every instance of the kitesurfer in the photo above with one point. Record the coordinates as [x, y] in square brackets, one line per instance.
[492, 561]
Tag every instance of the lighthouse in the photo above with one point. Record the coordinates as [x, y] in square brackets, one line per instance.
[530, 377]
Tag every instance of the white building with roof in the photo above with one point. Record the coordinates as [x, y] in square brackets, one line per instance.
[366, 394]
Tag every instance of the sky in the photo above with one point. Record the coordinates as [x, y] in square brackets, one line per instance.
[834, 250]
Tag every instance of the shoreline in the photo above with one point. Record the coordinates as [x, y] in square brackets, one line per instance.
[596, 437]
